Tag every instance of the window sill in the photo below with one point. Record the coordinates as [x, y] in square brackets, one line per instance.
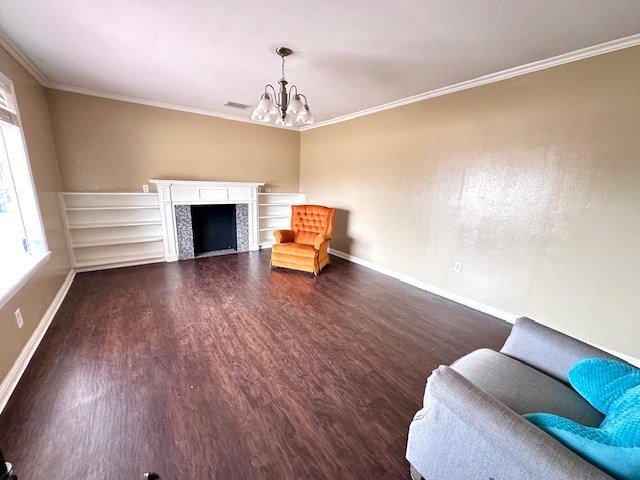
[24, 278]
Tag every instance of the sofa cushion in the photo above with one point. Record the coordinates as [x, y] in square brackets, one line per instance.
[523, 388]
[612, 387]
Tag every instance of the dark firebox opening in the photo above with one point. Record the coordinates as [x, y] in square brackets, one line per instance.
[214, 228]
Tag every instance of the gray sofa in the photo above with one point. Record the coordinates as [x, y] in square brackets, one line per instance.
[471, 425]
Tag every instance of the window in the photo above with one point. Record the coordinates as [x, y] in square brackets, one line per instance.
[23, 248]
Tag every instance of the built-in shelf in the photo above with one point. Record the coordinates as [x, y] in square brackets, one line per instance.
[274, 213]
[287, 215]
[114, 224]
[116, 241]
[137, 207]
[112, 229]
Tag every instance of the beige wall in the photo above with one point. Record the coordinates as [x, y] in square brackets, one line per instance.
[37, 295]
[533, 183]
[108, 145]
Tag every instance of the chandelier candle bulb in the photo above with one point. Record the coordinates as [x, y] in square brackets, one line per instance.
[276, 106]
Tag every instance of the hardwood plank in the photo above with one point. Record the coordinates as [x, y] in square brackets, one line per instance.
[221, 368]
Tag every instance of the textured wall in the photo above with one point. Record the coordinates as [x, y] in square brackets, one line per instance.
[533, 183]
[108, 145]
[36, 296]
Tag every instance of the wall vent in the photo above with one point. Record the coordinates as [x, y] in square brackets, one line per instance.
[241, 106]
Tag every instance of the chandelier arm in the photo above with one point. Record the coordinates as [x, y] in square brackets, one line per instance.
[291, 90]
[305, 98]
[275, 95]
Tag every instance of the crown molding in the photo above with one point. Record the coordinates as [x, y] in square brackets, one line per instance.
[569, 57]
[153, 103]
[23, 60]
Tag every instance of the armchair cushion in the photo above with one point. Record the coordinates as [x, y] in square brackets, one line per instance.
[295, 250]
[613, 388]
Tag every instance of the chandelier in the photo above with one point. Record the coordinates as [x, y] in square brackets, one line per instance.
[285, 107]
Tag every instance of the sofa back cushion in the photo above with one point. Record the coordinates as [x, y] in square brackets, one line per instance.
[548, 350]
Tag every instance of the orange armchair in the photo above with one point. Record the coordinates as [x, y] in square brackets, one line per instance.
[305, 246]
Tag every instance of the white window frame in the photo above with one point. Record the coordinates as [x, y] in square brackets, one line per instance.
[40, 260]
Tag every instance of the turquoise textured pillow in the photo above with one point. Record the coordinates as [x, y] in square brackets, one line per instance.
[613, 388]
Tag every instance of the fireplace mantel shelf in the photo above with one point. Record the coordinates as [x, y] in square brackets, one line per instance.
[203, 192]
[205, 183]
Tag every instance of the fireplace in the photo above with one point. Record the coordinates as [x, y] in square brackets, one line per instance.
[208, 230]
[195, 214]
[214, 229]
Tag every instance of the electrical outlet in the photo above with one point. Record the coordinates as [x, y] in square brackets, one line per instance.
[145, 188]
[457, 267]
[19, 318]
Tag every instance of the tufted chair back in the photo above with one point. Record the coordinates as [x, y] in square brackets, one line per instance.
[307, 221]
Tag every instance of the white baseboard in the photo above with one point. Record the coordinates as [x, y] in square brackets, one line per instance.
[11, 381]
[441, 292]
[481, 307]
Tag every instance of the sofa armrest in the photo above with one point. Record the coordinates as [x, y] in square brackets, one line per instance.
[320, 239]
[548, 350]
[283, 236]
[506, 435]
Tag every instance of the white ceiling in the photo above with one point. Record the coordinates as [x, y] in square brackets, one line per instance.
[349, 55]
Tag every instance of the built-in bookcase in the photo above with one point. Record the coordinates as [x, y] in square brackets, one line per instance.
[274, 213]
[112, 229]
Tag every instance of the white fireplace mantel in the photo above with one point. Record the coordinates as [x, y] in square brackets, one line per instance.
[195, 192]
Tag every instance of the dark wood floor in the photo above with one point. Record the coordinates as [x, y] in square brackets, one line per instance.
[219, 368]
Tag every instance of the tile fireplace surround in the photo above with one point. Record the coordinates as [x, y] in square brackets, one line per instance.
[172, 193]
